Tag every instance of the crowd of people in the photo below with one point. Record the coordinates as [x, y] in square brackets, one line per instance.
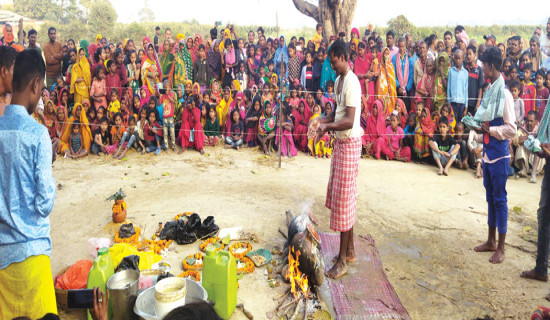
[178, 93]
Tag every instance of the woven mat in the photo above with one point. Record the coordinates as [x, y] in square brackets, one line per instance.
[365, 292]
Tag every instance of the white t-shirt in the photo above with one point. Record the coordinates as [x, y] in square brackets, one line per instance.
[349, 97]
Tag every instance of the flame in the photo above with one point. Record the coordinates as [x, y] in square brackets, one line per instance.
[298, 280]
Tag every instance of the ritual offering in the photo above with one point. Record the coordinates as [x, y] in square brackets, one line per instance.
[260, 257]
[195, 275]
[193, 262]
[129, 234]
[216, 242]
[240, 249]
[245, 265]
[119, 208]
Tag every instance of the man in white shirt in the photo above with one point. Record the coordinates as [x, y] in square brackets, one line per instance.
[545, 40]
[342, 187]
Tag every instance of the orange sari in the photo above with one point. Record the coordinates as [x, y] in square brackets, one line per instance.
[385, 86]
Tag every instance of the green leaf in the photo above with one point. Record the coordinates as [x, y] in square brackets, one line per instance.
[240, 275]
[226, 239]
[191, 261]
[217, 245]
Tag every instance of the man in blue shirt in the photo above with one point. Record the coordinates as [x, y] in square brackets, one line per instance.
[457, 86]
[28, 192]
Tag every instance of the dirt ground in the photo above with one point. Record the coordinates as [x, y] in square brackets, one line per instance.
[425, 225]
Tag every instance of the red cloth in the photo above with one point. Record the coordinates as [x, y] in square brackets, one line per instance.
[112, 81]
[376, 125]
[300, 129]
[191, 119]
[342, 184]
[76, 277]
[403, 115]
[529, 95]
[428, 126]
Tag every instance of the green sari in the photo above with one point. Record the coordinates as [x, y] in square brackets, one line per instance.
[166, 61]
[440, 88]
[182, 69]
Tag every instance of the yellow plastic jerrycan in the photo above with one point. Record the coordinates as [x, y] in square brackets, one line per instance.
[101, 271]
[220, 281]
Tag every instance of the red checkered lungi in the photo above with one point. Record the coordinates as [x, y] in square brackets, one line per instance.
[342, 184]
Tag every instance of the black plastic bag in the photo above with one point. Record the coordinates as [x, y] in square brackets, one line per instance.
[126, 231]
[169, 232]
[129, 263]
[208, 228]
[164, 275]
[185, 233]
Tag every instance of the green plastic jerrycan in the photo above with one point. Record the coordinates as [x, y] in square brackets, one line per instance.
[101, 271]
[220, 281]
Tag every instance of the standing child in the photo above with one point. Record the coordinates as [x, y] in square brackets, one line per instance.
[201, 70]
[112, 80]
[128, 140]
[76, 149]
[116, 134]
[266, 126]
[519, 107]
[462, 156]
[124, 111]
[140, 130]
[457, 86]
[234, 138]
[318, 37]
[98, 92]
[528, 93]
[114, 105]
[167, 100]
[542, 94]
[444, 147]
[152, 133]
[212, 129]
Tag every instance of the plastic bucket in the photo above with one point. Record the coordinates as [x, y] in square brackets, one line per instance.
[123, 290]
[169, 294]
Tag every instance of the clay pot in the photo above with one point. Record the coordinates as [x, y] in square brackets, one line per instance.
[119, 217]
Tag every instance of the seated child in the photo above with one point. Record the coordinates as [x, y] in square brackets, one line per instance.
[101, 137]
[266, 127]
[444, 147]
[76, 149]
[409, 130]
[393, 148]
[212, 129]
[128, 140]
[234, 138]
[153, 133]
[114, 105]
[116, 134]
[463, 154]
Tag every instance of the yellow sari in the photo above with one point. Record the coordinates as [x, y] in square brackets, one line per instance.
[84, 131]
[386, 84]
[222, 110]
[81, 90]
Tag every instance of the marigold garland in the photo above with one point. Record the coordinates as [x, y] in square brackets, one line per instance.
[195, 275]
[133, 240]
[238, 245]
[249, 265]
[211, 241]
[196, 256]
[179, 215]
[119, 208]
[157, 246]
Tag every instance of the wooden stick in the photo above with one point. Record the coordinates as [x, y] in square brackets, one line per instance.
[305, 308]
[281, 295]
[282, 233]
[298, 307]
[291, 302]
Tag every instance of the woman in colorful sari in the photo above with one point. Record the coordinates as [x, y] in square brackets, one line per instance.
[375, 132]
[327, 73]
[79, 116]
[385, 86]
[192, 50]
[81, 78]
[301, 122]
[215, 60]
[425, 88]
[182, 68]
[441, 74]
[425, 129]
[166, 59]
[151, 72]
[84, 44]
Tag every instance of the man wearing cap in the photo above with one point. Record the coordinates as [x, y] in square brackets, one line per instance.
[490, 40]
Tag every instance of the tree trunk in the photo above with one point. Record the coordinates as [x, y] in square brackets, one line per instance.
[334, 15]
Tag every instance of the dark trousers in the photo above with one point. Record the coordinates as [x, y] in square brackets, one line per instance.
[543, 215]
[458, 109]
[463, 151]
[495, 176]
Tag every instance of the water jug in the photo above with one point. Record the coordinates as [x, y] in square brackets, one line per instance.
[220, 281]
[101, 271]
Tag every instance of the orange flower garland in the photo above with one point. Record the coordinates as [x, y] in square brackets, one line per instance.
[195, 275]
[133, 240]
[157, 246]
[196, 256]
[248, 265]
[179, 215]
[211, 241]
[119, 208]
[238, 245]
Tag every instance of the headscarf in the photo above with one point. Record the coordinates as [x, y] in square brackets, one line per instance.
[356, 32]
[376, 125]
[386, 84]
[282, 50]
[226, 34]
[182, 68]
[463, 36]
[543, 134]
[428, 126]
[426, 83]
[267, 124]
[146, 40]
[59, 96]
[237, 85]
[84, 130]
[8, 37]
[214, 58]
[327, 73]
[403, 115]
[84, 44]
[200, 39]
[91, 51]
[144, 101]
[233, 104]
[440, 89]
[356, 42]
[148, 63]
[81, 69]
[50, 117]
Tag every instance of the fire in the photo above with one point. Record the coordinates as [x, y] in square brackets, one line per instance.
[298, 280]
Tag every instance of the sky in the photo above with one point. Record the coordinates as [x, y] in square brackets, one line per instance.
[262, 12]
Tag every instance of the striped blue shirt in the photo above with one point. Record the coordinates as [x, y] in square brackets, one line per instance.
[27, 185]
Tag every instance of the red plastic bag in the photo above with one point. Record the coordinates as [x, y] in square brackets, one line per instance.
[76, 277]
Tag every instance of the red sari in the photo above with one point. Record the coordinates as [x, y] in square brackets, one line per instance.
[376, 125]
[191, 120]
[362, 66]
[301, 122]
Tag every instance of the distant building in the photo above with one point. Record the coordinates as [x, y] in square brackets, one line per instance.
[12, 17]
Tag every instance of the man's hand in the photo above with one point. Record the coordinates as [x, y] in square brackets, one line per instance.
[101, 305]
[484, 129]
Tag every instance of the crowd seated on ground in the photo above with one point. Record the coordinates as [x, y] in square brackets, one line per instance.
[186, 93]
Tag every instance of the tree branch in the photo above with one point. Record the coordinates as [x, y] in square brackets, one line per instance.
[348, 9]
[307, 8]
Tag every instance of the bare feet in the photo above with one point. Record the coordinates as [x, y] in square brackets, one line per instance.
[486, 247]
[440, 172]
[466, 166]
[446, 172]
[337, 271]
[479, 174]
[460, 165]
[498, 257]
[202, 152]
[182, 150]
[532, 274]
